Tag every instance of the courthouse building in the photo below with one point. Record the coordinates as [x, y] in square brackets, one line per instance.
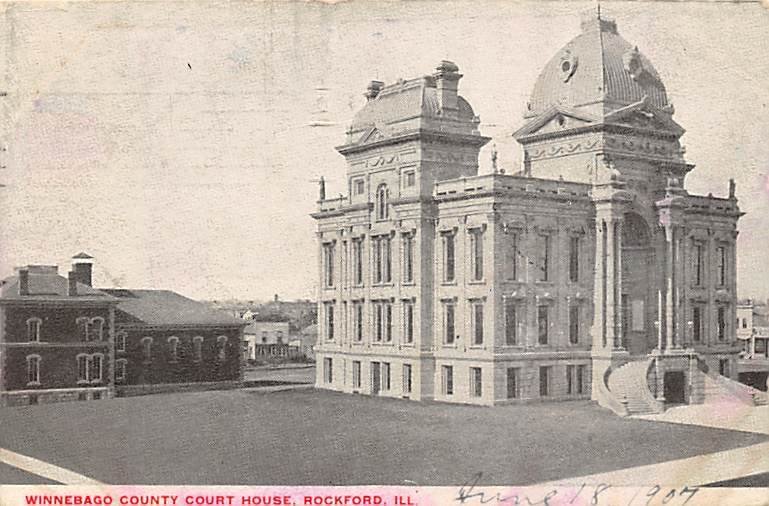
[589, 273]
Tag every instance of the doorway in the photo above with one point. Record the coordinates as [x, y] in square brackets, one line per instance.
[376, 378]
[637, 286]
[675, 387]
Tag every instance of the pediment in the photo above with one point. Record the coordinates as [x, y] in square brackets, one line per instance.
[555, 119]
[371, 135]
[645, 116]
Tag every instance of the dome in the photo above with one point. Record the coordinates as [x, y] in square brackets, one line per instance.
[598, 70]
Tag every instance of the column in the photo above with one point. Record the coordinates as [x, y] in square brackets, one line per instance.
[611, 282]
[599, 284]
[669, 273]
[619, 341]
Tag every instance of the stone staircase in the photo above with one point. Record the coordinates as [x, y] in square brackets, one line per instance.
[719, 388]
[629, 385]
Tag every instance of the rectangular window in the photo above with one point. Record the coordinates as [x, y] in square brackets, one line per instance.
[378, 322]
[388, 330]
[33, 330]
[476, 382]
[511, 322]
[328, 372]
[476, 254]
[698, 263]
[82, 368]
[513, 382]
[574, 324]
[357, 261]
[542, 324]
[721, 266]
[723, 367]
[385, 376]
[544, 381]
[328, 265]
[581, 370]
[382, 260]
[448, 258]
[406, 378]
[511, 257]
[358, 186]
[356, 374]
[448, 323]
[409, 179]
[543, 261]
[570, 379]
[447, 373]
[697, 324]
[96, 369]
[408, 259]
[574, 259]
[329, 306]
[477, 323]
[33, 369]
[408, 322]
[358, 320]
[721, 323]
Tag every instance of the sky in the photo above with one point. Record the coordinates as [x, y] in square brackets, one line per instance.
[173, 141]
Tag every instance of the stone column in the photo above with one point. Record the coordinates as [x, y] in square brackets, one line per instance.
[599, 283]
[619, 340]
[669, 273]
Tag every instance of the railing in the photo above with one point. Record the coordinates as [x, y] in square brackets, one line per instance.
[607, 399]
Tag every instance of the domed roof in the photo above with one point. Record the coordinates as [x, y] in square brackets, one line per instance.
[597, 70]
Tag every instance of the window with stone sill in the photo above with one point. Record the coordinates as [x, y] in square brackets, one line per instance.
[33, 369]
[121, 365]
[34, 325]
[120, 341]
[197, 348]
[173, 349]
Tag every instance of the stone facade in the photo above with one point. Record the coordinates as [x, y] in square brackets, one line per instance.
[440, 283]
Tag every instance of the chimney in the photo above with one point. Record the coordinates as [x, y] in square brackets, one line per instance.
[447, 82]
[82, 264]
[72, 283]
[374, 87]
[24, 281]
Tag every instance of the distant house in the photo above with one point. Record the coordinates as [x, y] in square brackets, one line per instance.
[307, 338]
[163, 337]
[266, 339]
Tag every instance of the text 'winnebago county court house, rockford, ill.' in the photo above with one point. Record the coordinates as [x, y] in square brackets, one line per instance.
[590, 273]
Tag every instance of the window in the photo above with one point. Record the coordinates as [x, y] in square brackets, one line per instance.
[356, 374]
[382, 208]
[279, 337]
[82, 368]
[476, 254]
[33, 329]
[570, 377]
[448, 323]
[408, 322]
[96, 368]
[33, 369]
[744, 323]
[197, 348]
[542, 324]
[120, 339]
[89, 368]
[408, 258]
[328, 265]
[383, 318]
[385, 376]
[120, 369]
[329, 311]
[328, 373]
[543, 258]
[173, 349]
[574, 259]
[513, 382]
[147, 345]
[382, 259]
[357, 261]
[357, 315]
[698, 263]
[581, 371]
[544, 381]
[511, 257]
[82, 323]
[96, 329]
[447, 377]
[511, 322]
[406, 378]
[221, 344]
[723, 367]
[448, 258]
[721, 265]
[697, 323]
[721, 317]
[388, 331]
[477, 323]
[476, 382]
[409, 179]
[358, 186]
[574, 324]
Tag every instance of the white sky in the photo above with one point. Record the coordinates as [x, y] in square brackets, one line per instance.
[171, 140]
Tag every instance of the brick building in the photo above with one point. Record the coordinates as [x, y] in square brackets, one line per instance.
[56, 336]
[589, 273]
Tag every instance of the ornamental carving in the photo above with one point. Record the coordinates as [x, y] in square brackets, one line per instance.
[567, 65]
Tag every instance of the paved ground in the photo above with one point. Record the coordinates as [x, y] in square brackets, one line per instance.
[298, 374]
[324, 438]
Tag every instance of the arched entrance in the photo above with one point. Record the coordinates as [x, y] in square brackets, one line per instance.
[638, 277]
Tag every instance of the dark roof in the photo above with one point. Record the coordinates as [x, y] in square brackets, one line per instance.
[83, 255]
[167, 308]
[45, 283]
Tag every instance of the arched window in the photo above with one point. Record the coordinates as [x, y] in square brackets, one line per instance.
[33, 369]
[96, 329]
[82, 323]
[120, 339]
[382, 208]
[147, 345]
[173, 349]
[95, 372]
[34, 325]
[221, 343]
[197, 348]
[82, 368]
[121, 365]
